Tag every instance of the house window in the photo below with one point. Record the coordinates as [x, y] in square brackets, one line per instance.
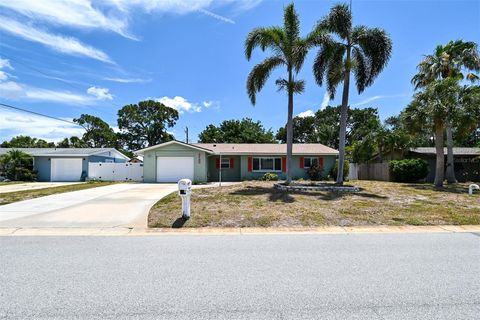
[267, 164]
[109, 160]
[225, 163]
[310, 162]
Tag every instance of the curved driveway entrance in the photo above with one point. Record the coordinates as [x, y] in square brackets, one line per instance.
[119, 205]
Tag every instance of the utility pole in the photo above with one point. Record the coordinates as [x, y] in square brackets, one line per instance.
[186, 133]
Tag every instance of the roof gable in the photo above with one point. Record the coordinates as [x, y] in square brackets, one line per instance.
[171, 143]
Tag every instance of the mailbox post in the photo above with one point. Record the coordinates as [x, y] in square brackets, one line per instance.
[184, 191]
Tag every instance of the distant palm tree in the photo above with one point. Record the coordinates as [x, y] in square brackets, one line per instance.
[345, 49]
[288, 50]
[430, 108]
[449, 61]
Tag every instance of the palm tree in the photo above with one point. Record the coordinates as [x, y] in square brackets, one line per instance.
[449, 61]
[430, 107]
[288, 50]
[345, 49]
[13, 161]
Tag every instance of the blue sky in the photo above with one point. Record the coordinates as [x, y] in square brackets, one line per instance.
[68, 57]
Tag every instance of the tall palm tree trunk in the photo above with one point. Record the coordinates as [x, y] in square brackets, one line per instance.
[290, 128]
[343, 120]
[450, 174]
[440, 163]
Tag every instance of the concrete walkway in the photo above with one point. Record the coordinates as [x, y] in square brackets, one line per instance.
[32, 186]
[119, 205]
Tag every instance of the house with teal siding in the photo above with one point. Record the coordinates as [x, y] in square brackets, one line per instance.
[67, 164]
[210, 162]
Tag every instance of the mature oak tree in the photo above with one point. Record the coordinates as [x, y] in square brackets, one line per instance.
[145, 124]
[98, 133]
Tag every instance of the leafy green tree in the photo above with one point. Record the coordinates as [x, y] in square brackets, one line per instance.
[456, 60]
[98, 133]
[345, 49]
[302, 130]
[145, 124]
[237, 131]
[430, 107]
[17, 165]
[323, 127]
[468, 119]
[72, 142]
[26, 142]
[288, 50]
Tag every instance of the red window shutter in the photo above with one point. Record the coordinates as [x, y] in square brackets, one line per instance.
[301, 162]
[320, 161]
[284, 164]
[250, 164]
[217, 163]
[231, 163]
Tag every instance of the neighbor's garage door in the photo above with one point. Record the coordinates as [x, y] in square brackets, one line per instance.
[172, 169]
[66, 169]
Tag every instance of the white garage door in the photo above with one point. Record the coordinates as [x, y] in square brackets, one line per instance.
[172, 169]
[66, 169]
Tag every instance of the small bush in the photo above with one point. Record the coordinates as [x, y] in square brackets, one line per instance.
[315, 172]
[408, 170]
[269, 176]
[346, 170]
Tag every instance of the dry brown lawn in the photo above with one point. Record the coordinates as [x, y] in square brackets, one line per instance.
[258, 204]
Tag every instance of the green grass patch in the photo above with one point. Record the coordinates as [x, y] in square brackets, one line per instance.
[9, 197]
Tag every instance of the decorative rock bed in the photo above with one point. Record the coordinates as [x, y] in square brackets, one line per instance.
[315, 187]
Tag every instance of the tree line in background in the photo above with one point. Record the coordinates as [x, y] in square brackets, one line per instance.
[140, 125]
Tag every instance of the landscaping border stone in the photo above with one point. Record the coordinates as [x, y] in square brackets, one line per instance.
[315, 187]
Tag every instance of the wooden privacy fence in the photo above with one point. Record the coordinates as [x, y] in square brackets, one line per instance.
[374, 171]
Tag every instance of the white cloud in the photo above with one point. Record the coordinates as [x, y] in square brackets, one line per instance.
[19, 123]
[180, 103]
[100, 93]
[374, 98]
[216, 16]
[74, 13]
[5, 64]
[16, 91]
[308, 113]
[127, 80]
[325, 101]
[66, 45]
[207, 104]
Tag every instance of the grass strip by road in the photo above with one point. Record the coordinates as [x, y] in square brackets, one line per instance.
[9, 197]
[258, 204]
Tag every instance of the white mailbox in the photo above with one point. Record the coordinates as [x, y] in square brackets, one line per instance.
[184, 191]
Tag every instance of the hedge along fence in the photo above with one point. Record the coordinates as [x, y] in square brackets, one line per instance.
[409, 170]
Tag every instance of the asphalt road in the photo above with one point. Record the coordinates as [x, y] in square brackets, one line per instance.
[361, 276]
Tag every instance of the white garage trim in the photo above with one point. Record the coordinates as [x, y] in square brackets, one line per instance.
[66, 169]
[172, 169]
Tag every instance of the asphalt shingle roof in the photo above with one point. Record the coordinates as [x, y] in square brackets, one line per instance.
[59, 151]
[456, 151]
[267, 148]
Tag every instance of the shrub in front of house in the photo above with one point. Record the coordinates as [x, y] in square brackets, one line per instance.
[408, 170]
[346, 170]
[315, 172]
[269, 176]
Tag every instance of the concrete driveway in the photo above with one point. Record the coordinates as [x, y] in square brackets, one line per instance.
[32, 186]
[119, 205]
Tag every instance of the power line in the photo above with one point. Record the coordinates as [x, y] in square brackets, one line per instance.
[40, 114]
